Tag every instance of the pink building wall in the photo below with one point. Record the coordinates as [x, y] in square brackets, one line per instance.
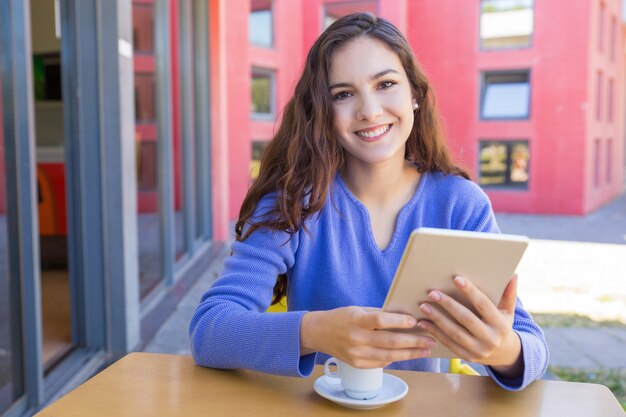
[562, 123]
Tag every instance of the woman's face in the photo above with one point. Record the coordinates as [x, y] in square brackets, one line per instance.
[372, 102]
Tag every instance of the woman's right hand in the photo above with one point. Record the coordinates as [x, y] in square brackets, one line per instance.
[362, 336]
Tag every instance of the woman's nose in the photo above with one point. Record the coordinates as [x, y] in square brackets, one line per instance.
[369, 108]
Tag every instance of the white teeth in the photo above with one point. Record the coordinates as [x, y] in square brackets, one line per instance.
[374, 133]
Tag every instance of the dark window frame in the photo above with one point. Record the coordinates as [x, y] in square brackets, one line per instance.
[508, 185]
[272, 43]
[484, 48]
[257, 149]
[272, 73]
[484, 83]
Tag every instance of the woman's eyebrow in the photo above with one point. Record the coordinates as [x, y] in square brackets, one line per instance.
[372, 78]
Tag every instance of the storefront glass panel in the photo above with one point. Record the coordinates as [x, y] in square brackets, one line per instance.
[11, 378]
[49, 106]
[149, 217]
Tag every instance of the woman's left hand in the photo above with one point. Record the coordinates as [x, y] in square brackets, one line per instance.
[487, 338]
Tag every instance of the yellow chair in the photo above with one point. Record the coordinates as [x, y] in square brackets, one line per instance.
[456, 366]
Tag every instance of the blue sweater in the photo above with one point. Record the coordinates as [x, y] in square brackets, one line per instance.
[336, 264]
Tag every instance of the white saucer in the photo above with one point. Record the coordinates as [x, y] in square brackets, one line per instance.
[393, 389]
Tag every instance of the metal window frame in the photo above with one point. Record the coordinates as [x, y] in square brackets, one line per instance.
[272, 76]
[508, 186]
[203, 120]
[482, 48]
[188, 124]
[18, 107]
[164, 138]
[272, 44]
[484, 74]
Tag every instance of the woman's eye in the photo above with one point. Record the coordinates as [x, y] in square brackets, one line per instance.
[341, 96]
[387, 84]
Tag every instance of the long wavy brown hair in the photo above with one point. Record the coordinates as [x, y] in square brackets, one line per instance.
[301, 161]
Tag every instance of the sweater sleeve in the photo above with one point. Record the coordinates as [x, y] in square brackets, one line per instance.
[534, 352]
[231, 328]
[534, 347]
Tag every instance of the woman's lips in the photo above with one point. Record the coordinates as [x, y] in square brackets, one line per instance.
[373, 134]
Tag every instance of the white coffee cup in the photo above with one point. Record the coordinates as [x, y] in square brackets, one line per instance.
[360, 384]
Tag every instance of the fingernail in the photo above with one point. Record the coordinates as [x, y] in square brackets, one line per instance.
[431, 344]
[425, 309]
[411, 322]
[460, 281]
[422, 325]
[434, 295]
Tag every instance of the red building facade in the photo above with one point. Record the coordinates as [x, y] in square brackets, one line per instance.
[572, 68]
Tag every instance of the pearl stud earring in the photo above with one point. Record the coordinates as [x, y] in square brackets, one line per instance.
[415, 105]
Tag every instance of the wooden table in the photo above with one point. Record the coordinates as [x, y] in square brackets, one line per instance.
[147, 384]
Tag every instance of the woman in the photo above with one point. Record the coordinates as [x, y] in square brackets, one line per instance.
[358, 162]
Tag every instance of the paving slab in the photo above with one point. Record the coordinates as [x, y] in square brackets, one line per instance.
[585, 348]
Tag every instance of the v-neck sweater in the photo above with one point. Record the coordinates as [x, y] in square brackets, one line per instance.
[337, 263]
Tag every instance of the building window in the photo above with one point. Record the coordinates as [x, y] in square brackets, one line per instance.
[258, 147]
[260, 24]
[506, 24]
[609, 160]
[597, 154]
[505, 95]
[263, 86]
[335, 10]
[601, 17]
[599, 85]
[504, 164]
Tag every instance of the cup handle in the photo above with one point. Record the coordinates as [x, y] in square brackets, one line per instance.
[327, 371]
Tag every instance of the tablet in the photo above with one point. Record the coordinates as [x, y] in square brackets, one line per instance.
[431, 259]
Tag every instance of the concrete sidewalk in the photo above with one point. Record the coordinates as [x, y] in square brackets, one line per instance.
[556, 276]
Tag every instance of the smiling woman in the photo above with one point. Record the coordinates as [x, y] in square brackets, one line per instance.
[358, 163]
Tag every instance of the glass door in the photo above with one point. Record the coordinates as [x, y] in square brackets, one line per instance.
[51, 183]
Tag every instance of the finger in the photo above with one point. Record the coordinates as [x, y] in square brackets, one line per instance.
[383, 320]
[460, 313]
[370, 357]
[451, 329]
[483, 305]
[395, 340]
[442, 338]
[509, 296]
